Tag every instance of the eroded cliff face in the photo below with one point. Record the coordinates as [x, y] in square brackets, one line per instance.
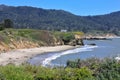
[20, 39]
[21, 44]
[28, 38]
[17, 45]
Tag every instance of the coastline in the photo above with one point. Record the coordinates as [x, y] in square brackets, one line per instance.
[20, 56]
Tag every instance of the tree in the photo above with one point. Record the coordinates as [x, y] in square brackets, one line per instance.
[8, 23]
[1, 27]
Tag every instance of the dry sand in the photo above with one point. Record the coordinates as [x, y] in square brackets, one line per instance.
[20, 56]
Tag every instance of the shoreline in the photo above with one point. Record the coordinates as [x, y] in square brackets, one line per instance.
[20, 56]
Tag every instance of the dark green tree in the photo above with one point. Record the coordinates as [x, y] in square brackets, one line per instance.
[8, 23]
[1, 27]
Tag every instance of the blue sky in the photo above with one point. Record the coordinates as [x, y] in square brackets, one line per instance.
[78, 7]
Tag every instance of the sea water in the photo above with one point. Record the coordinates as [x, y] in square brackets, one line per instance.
[103, 48]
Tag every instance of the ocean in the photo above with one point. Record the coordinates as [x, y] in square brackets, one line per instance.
[103, 49]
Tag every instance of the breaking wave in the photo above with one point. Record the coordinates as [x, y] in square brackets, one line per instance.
[48, 60]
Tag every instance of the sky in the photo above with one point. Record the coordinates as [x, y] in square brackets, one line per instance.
[78, 7]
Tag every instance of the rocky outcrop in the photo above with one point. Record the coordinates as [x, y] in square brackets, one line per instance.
[99, 36]
[92, 44]
[79, 42]
[76, 42]
[58, 42]
[95, 38]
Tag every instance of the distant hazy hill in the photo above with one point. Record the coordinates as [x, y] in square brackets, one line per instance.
[37, 18]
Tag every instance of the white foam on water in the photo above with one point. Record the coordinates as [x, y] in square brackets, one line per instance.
[118, 57]
[48, 60]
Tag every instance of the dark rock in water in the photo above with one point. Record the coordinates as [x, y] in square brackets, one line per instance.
[92, 38]
[93, 44]
[96, 39]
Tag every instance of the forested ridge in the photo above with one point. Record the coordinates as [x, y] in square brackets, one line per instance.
[51, 19]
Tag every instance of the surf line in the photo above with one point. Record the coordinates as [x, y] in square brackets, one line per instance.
[48, 60]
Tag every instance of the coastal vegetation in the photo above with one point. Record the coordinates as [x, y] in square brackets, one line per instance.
[30, 27]
[91, 69]
[24, 38]
[29, 38]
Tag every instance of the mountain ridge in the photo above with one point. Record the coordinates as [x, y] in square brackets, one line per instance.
[51, 19]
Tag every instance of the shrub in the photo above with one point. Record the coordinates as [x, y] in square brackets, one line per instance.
[1, 27]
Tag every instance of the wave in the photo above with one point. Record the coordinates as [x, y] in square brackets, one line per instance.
[48, 60]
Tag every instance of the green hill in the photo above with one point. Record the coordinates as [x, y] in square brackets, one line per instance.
[26, 38]
[30, 38]
[50, 19]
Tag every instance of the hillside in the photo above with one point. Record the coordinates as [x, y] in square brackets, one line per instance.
[26, 38]
[49, 19]
[30, 38]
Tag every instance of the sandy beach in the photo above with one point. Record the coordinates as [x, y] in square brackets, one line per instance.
[20, 56]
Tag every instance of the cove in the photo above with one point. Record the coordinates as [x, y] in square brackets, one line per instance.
[102, 49]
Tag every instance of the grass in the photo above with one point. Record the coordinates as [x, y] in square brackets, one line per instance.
[36, 36]
[41, 37]
[32, 34]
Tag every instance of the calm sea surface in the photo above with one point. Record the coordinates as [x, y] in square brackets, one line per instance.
[103, 48]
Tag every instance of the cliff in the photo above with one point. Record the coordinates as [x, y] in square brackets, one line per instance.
[26, 38]
[29, 38]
